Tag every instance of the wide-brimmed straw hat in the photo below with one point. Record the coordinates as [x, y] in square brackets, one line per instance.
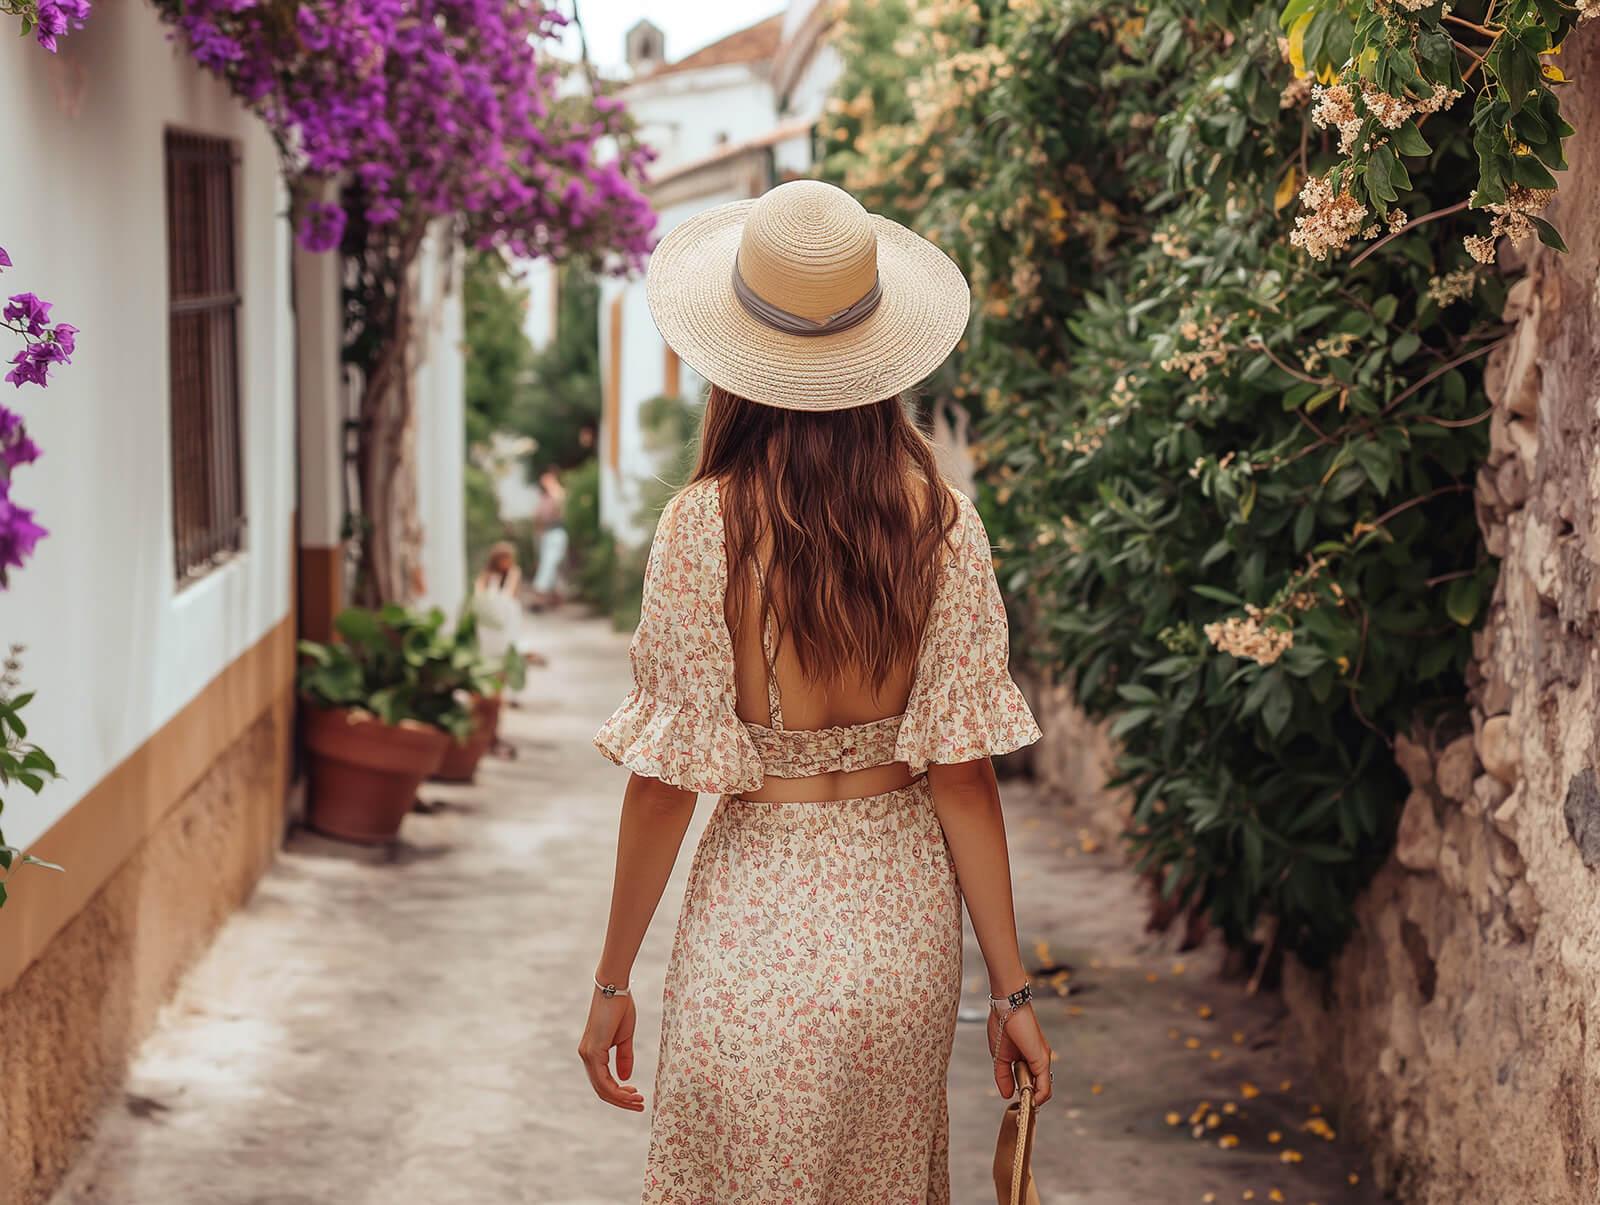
[803, 299]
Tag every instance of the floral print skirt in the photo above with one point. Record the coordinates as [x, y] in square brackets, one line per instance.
[810, 1008]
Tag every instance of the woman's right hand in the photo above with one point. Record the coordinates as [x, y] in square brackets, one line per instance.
[1023, 1040]
[610, 1025]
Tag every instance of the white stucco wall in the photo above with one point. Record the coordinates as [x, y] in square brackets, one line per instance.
[441, 429]
[538, 277]
[113, 647]
[643, 377]
[686, 115]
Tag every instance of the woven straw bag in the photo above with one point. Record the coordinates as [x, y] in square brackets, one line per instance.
[1013, 1153]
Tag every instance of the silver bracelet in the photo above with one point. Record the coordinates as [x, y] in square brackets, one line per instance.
[610, 990]
[1007, 1006]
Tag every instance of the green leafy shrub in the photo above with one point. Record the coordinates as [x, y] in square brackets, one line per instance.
[1230, 484]
[400, 665]
[1390, 67]
[22, 763]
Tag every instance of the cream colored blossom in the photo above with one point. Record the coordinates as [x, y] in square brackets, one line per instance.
[1513, 219]
[1295, 93]
[1480, 247]
[1446, 290]
[1024, 277]
[1251, 637]
[1335, 108]
[1334, 218]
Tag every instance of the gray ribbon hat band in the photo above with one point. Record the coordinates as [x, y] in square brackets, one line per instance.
[794, 324]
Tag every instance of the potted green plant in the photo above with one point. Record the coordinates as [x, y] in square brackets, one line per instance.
[383, 705]
[484, 680]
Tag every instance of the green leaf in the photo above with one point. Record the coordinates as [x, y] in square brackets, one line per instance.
[1405, 347]
[1279, 704]
[1217, 594]
[1548, 234]
[1408, 140]
[1461, 600]
[1380, 168]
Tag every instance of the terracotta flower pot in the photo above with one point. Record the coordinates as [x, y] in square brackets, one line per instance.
[461, 759]
[365, 773]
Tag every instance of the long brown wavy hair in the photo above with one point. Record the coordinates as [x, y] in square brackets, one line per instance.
[852, 511]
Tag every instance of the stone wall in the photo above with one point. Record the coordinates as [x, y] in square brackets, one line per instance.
[1461, 1027]
[69, 1026]
[1073, 760]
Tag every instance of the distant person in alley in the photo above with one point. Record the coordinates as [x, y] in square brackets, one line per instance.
[549, 518]
[823, 646]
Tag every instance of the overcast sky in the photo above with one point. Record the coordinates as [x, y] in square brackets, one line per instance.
[689, 24]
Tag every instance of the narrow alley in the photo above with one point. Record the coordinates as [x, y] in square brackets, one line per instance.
[400, 1025]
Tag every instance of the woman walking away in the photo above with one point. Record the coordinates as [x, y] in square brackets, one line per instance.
[823, 645]
[550, 517]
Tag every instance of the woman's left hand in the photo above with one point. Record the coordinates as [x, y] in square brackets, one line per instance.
[611, 1022]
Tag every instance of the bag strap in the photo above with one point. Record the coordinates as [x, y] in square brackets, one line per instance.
[1019, 1161]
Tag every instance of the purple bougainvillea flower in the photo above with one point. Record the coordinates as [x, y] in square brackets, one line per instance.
[5, 260]
[323, 226]
[18, 532]
[437, 109]
[56, 17]
[15, 446]
[28, 370]
[29, 310]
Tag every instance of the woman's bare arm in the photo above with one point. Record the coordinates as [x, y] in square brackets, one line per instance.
[966, 798]
[655, 817]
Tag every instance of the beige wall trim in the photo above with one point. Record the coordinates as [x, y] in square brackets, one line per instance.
[111, 822]
[319, 575]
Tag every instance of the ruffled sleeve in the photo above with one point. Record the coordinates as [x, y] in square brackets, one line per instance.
[678, 723]
[963, 703]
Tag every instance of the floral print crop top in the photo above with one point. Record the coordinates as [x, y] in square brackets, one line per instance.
[679, 723]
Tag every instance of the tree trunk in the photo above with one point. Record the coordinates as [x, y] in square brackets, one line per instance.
[388, 569]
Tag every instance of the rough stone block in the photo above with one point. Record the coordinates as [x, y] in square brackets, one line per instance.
[1417, 841]
[1413, 761]
[1498, 748]
[1455, 769]
[1582, 813]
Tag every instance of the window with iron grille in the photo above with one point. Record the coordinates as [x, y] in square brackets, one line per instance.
[203, 336]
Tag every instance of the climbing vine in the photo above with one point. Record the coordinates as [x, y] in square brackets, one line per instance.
[1229, 482]
[45, 345]
[1388, 66]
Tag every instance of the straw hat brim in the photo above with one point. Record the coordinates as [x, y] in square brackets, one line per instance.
[920, 319]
